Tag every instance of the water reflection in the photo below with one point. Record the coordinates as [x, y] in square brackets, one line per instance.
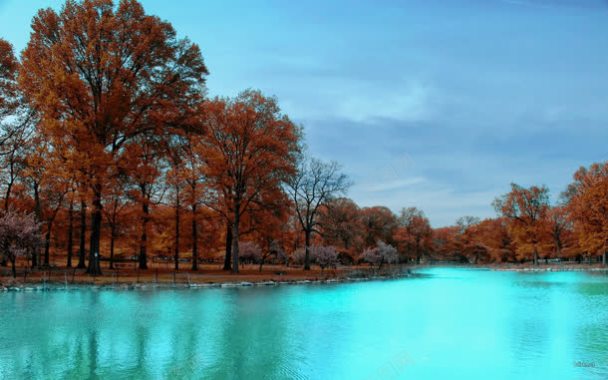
[470, 323]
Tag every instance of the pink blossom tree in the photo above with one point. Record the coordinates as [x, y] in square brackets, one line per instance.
[382, 253]
[325, 256]
[249, 252]
[19, 236]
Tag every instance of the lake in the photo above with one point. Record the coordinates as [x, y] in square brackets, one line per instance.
[447, 323]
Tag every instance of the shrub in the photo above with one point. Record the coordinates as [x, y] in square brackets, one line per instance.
[382, 253]
[325, 257]
[297, 257]
[19, 236]
[249, 252]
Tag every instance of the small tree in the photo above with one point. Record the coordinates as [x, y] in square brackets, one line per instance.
[19, 235]
[314, 184]
[250, 252]
[275, 250]
[382, 253]
[325, 256]
[297, 256]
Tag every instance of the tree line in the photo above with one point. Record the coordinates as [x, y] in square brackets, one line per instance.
[112, 150]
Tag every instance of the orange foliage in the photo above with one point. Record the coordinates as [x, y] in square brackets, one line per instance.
[249, 150]
[107, 113]
[526, 210]
[588, 207]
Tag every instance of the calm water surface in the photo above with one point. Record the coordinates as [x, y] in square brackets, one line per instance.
[451, 323]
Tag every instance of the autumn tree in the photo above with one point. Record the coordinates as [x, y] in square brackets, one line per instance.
[15, 140]
[9, 90]
[115, 206]
[468, 239]
[49, 183]
[446, 244]
[249, 148]
[71, 197]
[559, 232]
[267, 223]
[102, 74]
[82, 233]
[466, 222]
[143, 165]
[341, 225]
[176, 184]
[495, 234]
[526, 210]
[16, 122]
[379, 223]
[587, 203]
[414, 232]
[315, 184]
[34, 176]
[192, 174]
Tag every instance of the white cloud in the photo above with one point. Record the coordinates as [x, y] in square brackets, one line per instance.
[408, 102]
[360, 101]
[392, 185]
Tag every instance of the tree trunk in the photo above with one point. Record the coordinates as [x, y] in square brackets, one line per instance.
[194, 239]
[177, 224]
[70, 233]
[307, 234]
[604, 258]
[228, 256]
[112, 239]
[7, 195]
[5, 255]
[535, 256]
[13, 269]
[94, 268]
[83, 231]
[9, 185]
[143, 245]
[37, 214]
[235, 241]
[47, 244]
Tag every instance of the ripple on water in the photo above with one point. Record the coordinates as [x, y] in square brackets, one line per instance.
[445, 323]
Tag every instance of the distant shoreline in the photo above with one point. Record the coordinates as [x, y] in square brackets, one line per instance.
[510, 267]
[554, 268]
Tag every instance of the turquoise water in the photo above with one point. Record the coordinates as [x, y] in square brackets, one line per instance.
[450, 323]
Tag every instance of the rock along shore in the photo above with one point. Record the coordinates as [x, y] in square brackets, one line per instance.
[152, 285]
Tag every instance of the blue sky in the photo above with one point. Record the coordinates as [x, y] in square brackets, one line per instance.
[428, 103]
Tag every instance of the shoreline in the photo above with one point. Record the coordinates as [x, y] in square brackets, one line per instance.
[552, 268]
[58, 286]
[289, 276]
